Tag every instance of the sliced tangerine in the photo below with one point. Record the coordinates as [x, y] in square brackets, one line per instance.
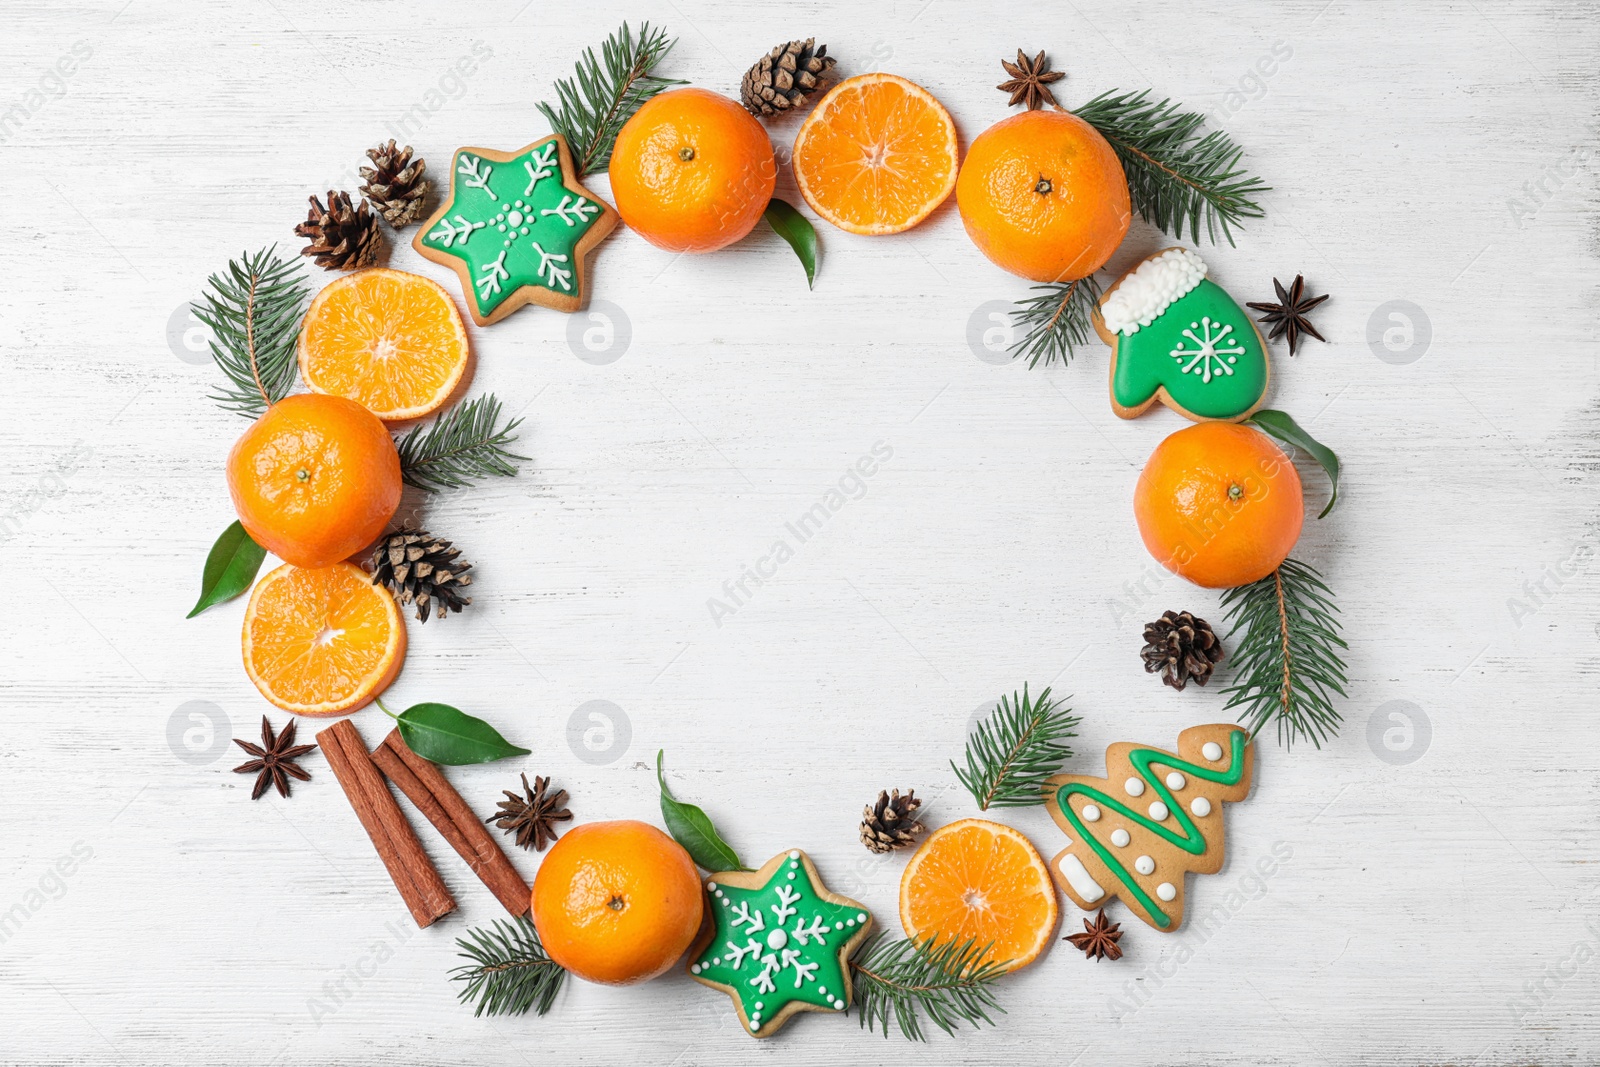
[876, 155]
[389, 340]
[322, 640]
[980, 881]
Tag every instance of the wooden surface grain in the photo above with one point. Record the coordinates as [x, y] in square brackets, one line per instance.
[1433, 167]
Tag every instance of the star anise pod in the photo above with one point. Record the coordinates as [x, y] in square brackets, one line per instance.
[274, 762]
[531, 817]
[1288, 315]
[1099, 941]
[1030, 81]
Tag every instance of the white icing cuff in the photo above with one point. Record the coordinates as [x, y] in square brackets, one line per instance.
[1150, 290]
[1079, 878]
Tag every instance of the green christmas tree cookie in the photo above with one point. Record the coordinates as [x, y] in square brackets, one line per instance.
[518, 228]
[1178, 337]
[778, 942]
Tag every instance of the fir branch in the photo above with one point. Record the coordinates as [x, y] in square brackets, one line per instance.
[1059, 318]
[1015, 749]
[1286, 663]
[598, 99]
[465, 444]
[510, 971]
[254, 310]
[905, 979]
[1176, 175]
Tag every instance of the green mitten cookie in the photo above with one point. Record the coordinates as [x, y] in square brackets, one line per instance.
[1178, 337]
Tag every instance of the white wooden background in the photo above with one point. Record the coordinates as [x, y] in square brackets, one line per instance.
[1440, 901]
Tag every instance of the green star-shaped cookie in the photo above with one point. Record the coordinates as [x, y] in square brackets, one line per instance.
[517, 228]
[778, 942]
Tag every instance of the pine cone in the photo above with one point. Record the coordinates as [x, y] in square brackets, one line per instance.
[784, 77]
[1183, 647]
[342, 237]
[891, 824]
[414, 565]
[395, 186]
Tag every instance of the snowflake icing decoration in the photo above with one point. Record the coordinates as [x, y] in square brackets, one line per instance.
[1209, 359]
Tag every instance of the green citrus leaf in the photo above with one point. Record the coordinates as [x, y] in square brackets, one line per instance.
[798, 231]
[446, 735]
[692, 828]
[231, 568]
[1280, 425]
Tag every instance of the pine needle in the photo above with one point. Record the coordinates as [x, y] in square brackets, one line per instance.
[598, 99]
[905, 980]
[1177, 176]
[1286, 663]
[254, 310]
[510, 971]
[1052, 323]
[464, 445]
[1014, 749]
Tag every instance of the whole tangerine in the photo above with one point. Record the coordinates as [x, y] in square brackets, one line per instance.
[692, 171]
[1043, 195]
[315, 479]
[617, 902]
[1220, 504]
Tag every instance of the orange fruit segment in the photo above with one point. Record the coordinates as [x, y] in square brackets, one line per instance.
[322, 640]
[391, 341]
[981, 881]
[876, 155]
[617, 902]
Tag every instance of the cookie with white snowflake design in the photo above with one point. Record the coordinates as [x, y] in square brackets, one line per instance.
[778, 942]
[518, 228]
[1177, 336]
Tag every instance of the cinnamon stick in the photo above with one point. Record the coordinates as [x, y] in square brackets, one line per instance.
[408, 865]
[434, 796]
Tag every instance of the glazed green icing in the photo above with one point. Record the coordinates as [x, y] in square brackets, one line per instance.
[514, 224]
[1172, 351]
[1191, 840]
[779, 943]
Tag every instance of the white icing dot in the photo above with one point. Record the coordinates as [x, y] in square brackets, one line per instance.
[711, 886]
[794, 853]
[755, 1024]
[1166, 890]
[1200, 806]
[501, 228]
[523, 231]
[1176, 781]
[717, 962]
[1211, 751]
[1134, 787]
[824, 991]
[694, 969]
[791, 876]
[838, 926]
[1091, 813]
[515, 218]
[759, 1005]
[861, 916]
[725, 901]
[777, 939]
[849, 922]
[1144, 865]
[1158, 811]
[1119, 837]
